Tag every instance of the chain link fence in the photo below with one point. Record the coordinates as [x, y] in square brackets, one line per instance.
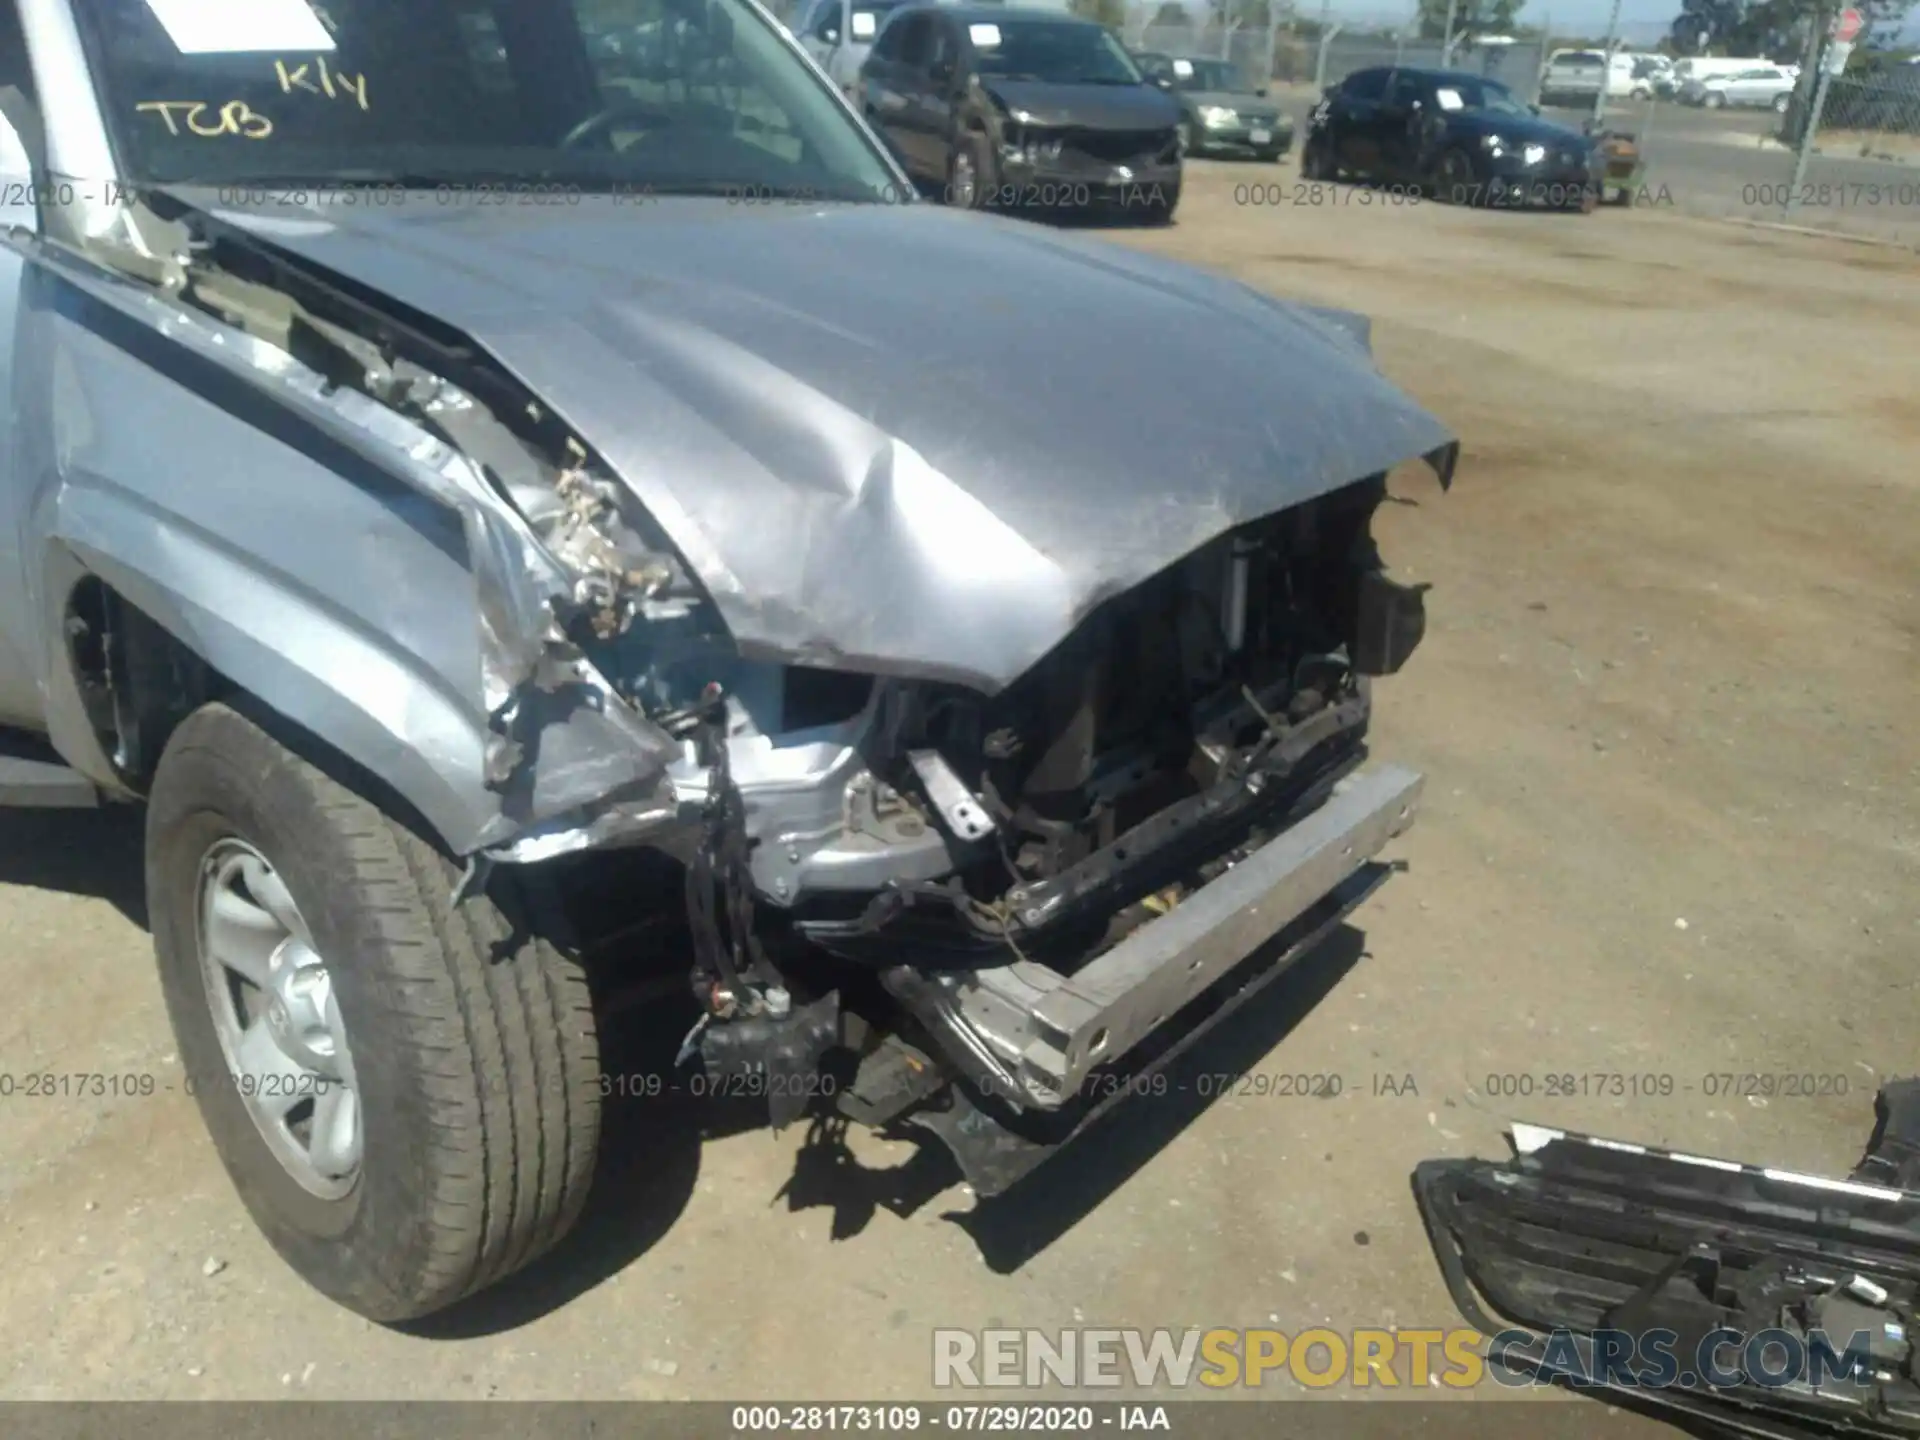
[1286, 52]
[1873, 113]
[1517, 66]
[1250, 49]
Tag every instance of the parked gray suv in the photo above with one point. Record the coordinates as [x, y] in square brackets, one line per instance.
[527, 519]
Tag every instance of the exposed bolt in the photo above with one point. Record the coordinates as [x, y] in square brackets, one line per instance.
[1032, 917]
[779, 887]
[793, 854]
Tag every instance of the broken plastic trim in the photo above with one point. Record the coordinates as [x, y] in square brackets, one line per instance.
[528, 588]
[1578, 1235]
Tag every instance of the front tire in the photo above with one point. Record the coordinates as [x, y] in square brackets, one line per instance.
[1715, 100]
[1160, 212]
[1780, 104]
[1315, 163]
[970, 177]
[1457, 183]
[466, 1039]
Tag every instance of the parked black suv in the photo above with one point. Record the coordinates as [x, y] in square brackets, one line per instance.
[1005, 108]
[1460, 136]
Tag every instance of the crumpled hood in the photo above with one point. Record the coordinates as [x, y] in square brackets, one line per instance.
[893, 438]
[1519, 129]
[1097, 107]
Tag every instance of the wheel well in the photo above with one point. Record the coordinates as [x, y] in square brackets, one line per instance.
[136, 680]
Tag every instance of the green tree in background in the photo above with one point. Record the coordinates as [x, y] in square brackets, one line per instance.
[1470, 18]
[1110, 13]
[1774, 28]
[1240, 14]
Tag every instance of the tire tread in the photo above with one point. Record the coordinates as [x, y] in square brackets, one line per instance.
[496, 1024]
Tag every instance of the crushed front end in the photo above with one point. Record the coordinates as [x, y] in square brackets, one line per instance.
[1002, 902]
[984, 784]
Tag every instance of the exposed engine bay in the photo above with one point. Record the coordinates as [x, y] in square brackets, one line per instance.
[907, 828]
[927, 872]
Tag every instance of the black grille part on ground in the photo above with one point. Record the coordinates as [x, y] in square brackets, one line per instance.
[1578, 1235]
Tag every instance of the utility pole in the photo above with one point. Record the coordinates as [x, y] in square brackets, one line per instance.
[1833, 59]
[1546, 49]
[1446, 41]
[1807, 138]
[1606, 73]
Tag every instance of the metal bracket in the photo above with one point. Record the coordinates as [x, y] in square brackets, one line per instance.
[965, 816]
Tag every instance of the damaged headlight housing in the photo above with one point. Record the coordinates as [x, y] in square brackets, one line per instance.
[1032, 151]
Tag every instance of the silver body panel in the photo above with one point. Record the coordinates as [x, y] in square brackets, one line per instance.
[870, 475]
[884, 438]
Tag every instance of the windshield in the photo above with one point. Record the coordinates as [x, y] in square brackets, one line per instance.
[1466, 93]
[1063, 52]
[1206, 75]
[610, 96]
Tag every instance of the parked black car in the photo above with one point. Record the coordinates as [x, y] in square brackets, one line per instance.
[1005, 108]
[1223, 114]
[1462, 137]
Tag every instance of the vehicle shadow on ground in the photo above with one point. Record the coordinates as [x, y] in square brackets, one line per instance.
[1013, 1228]
[650, 1153]
[97, 853]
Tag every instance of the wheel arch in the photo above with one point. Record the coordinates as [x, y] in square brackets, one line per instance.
[138, 655]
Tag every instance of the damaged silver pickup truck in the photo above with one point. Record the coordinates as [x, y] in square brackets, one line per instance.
[447, 448]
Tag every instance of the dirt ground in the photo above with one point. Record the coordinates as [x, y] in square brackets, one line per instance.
[1672, 829]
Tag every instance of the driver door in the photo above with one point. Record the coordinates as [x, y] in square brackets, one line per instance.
[1410, 129]
[911, 78]
[937, 102]
[1358, 123]
[1393, 133]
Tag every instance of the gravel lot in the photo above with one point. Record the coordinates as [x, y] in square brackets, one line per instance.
[1672, 829]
